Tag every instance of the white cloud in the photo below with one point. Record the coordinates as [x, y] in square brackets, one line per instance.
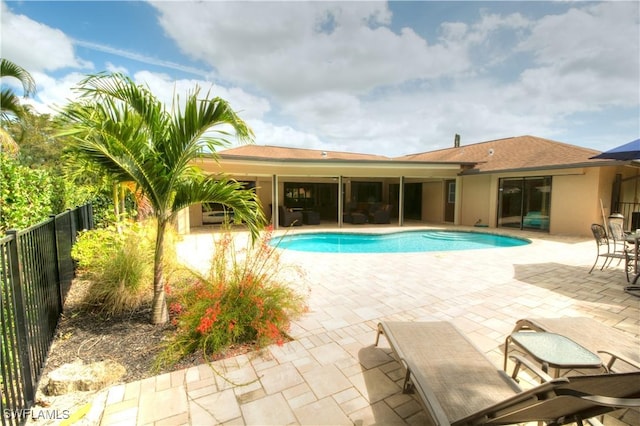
[35, 46]
[589, 56]
[165, 88]
[116, 68]
[267, 133]
[335, 76]
[53, 93]
[291, 49]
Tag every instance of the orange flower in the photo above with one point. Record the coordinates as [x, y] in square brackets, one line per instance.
[208, 319]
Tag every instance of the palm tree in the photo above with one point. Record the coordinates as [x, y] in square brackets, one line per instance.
[9, 102]
[124, 128]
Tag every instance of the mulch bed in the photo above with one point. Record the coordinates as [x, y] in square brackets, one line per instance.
[129, 339]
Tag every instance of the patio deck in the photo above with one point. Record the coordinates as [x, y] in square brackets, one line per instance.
[331, 373]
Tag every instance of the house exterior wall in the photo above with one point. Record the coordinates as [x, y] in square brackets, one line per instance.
[195, 214]
[575, 202]
[475, 200]
[433, 202]
[575, 198]
[264, 194]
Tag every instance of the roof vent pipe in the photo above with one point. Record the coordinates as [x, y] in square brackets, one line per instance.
[456, 141]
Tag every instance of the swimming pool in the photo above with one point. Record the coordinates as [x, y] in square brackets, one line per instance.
[396, 242]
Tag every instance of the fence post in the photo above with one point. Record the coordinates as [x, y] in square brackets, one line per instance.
[90, 222]
[57, 263]
[22, 333]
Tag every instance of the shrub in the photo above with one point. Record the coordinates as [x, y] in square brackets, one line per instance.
[118, 266]
[20, 204]
[247, 296]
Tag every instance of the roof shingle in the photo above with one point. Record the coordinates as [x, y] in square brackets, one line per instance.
[269, 152]
[521, 152]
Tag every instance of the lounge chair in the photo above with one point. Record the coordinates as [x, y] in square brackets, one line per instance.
[289, 218]
[458, 385]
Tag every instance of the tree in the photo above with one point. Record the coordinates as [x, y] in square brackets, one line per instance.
[9, 102]
[20, 205]
[124, 128]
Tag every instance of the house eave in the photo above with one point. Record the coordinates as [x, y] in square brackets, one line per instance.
[540, 168]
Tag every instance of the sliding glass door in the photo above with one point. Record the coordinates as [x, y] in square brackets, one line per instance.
[524, 203]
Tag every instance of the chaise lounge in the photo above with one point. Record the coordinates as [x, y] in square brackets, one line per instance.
[458, 385]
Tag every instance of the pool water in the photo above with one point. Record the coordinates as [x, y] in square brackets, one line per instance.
[397, 242]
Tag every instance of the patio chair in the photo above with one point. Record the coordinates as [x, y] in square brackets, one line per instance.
[289, 218]
[381, 215]
[458, 385]
[608, 252]
[623, 243]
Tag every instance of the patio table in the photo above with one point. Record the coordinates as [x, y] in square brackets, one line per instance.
[554, 350]
[634, 238]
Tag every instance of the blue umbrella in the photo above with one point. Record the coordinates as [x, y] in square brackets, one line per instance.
[628, 151]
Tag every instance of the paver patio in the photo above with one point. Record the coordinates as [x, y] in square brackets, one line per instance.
[331, 374]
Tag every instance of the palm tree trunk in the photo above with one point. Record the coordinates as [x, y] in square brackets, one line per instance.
[159, 312]
[116, 201]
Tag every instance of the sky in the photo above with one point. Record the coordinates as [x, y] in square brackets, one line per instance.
[387, 78]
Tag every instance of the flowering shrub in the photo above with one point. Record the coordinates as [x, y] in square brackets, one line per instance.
[247, 296]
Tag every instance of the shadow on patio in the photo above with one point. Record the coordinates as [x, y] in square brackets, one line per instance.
[575, 282]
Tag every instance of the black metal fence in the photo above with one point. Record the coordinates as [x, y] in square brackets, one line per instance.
[36, 270]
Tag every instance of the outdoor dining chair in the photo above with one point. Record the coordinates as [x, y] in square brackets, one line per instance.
[606, 250]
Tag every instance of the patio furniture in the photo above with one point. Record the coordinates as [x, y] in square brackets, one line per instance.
[621, 349]
[381, 215]
[458, 385]
[536, 220]
[353, 215]
[552, 350]
[310, 217]
[355, 218]
[289, 218]
[217, 216]
[607, 251]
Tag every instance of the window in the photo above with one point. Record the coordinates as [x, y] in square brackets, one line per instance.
[451, 193]
[525, 203]
[298, 195]
[366, 192]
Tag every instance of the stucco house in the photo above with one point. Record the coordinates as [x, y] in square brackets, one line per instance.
[522, 182]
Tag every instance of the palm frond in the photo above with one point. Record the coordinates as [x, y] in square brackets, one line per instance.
[230, 193]
[9, 69]
[9, 104]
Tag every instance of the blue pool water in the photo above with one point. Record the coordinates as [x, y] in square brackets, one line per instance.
[397, 242]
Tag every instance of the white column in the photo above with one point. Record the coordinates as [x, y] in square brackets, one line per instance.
[340, 203]
[401, 202]
[274, 202]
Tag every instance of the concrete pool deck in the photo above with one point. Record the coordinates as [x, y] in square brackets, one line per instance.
[331, 374]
